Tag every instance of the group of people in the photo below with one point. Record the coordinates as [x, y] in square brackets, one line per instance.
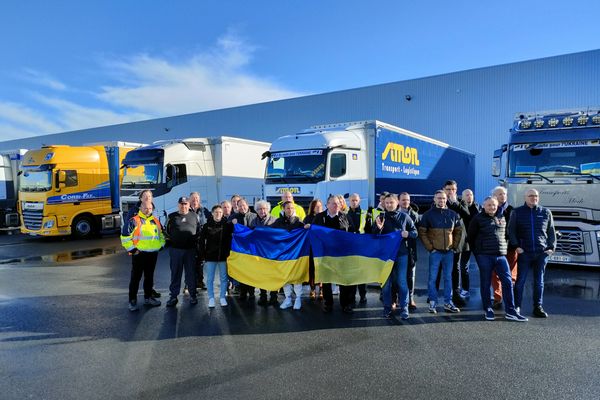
[506, 242]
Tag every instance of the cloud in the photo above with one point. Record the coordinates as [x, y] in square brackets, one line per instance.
[211, 80]
[142, 86]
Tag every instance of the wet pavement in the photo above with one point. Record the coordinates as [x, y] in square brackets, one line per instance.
[65, 332]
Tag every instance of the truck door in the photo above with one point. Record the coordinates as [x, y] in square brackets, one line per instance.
[343, 174]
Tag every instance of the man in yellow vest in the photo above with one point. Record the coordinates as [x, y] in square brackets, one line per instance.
[359, 221]
[277, 211]
[143, 242]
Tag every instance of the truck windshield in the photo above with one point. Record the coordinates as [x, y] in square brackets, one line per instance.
[555, 159]
[296, 166]
[142, 175]
[35, 180]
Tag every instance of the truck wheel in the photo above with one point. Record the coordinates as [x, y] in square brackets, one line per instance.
[83, 227]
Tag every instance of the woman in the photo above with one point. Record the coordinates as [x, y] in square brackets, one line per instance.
[263, 219]
[391, 221]
[214, 247]
[315, 207]
[289, 221]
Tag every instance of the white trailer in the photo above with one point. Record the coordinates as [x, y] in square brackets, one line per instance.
[10, 162]
[216, 167]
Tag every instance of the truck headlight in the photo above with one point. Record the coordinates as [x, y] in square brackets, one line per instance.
[49, 224]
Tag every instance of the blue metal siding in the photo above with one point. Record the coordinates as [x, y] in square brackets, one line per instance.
[472, 110]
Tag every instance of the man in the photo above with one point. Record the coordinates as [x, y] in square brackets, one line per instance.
[395, 220]
[183, 230]
[286, 195]
[263, 218]
[454, 204]
[358, 218]
[406, 208]
[244, 217]
[469, 204]
[203, 216]
[234, 203]
[290, 221]
[504, 209]
[441, 232]
[227, 209]
[333, 218]
[531, 231]
[487, 240]
[143, 241]
[144, 196]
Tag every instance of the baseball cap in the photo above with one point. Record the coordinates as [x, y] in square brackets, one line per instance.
[183, 199]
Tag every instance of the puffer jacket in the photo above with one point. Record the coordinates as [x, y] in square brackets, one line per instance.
[487, 235]
[532, 229]
[441, 229]
[287, 223]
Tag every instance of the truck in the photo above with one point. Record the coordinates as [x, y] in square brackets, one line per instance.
[216, 167]
[558, 154]
[71, 190]
[367, 158]
[10, 162]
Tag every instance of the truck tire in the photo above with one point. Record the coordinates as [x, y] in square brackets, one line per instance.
[83, 227]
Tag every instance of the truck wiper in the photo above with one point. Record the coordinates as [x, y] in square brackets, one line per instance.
[586, 174]
[540, 175]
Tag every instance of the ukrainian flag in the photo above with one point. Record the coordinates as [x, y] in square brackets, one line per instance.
[350, 258]
[268, 258]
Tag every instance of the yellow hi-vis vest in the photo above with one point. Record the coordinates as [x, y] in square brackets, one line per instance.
[363, 220]
[278, 211]
[146, 236]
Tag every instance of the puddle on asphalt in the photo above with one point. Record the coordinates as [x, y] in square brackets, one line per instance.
[65, 256]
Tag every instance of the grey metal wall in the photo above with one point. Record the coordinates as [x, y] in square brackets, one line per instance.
[471, 109]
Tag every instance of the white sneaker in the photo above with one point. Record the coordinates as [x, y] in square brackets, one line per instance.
[287, 303]
[211, 303]
[223, 302]
[518, 310]
[297, 303]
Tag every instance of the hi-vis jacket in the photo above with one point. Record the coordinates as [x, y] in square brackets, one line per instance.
[145, 234]
[277, 211]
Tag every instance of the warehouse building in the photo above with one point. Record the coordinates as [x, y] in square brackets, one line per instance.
[472, 110]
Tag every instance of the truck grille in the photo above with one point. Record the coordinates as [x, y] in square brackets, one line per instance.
[570, 242]
[32, 219]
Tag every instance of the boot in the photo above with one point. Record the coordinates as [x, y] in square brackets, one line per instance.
[298, 291]
[287, 303]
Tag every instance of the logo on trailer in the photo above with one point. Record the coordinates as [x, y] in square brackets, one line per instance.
[292, 190]
[401, 154]
[49, 156]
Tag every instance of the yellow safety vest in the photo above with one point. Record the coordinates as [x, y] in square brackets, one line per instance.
[147, 235]
[277, 211]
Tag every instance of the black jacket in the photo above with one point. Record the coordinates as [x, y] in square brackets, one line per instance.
[397, 221]
[215, 240]
[469, 212]
[182, 231]
[287, 223]
[244, 219]
[487, 235]
[532, 229]
[339, 222]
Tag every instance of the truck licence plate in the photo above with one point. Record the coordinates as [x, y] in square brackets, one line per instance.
[557, 258]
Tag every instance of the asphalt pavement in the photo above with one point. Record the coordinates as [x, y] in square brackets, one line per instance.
[66, 333]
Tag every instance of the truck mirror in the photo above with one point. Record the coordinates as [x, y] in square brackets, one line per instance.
[496, 166]
[62, 177]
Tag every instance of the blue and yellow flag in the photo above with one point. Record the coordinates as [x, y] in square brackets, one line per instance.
[268, 258]
[351, 259]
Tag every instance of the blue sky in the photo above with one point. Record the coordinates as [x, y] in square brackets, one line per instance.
[69, 65]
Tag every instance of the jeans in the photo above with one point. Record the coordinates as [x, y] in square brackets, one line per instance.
[210, 267]
[498, 264]
[445, 258]
[180, 260]
[397, 275]
[525, 262]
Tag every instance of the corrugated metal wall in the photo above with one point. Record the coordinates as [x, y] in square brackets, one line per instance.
[472, 110]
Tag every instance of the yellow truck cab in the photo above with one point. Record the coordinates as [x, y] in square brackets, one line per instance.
[71, 189]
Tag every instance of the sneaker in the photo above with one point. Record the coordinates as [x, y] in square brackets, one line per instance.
[211, 303]
[287, 303]
[489, 314]
[387, 314]
[515, 316]
[465, 294]
[297, 303]
[155, 294]
[451, 308]
[133, 305]
[404, 313]
[186, 292]
[539, 312]
[151, 302]
[518, 310]
[194, 301]
[172, 302]
[432, 307]
[223, 302]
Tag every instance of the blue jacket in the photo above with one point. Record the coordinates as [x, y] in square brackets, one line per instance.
[532, 229]
[398, 221]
